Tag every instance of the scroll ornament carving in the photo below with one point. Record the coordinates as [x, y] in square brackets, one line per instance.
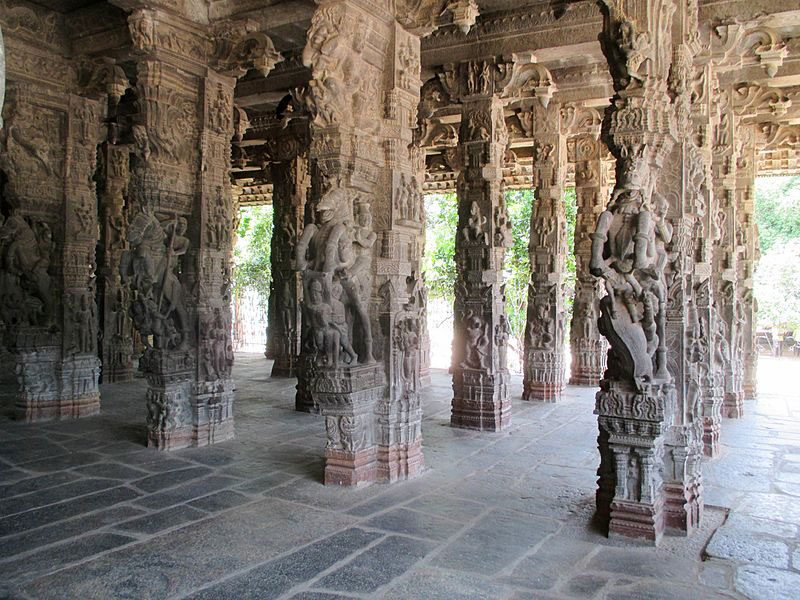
[103, 76]
[422, 17]
[236, 55]
[151, 268]
[736, 42]
[529, 77]
[335, 256]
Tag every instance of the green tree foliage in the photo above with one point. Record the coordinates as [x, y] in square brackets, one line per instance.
[441, 222]
[441, 212]
[777, 210]
[251, 256]
[777, 287]
[777, 278]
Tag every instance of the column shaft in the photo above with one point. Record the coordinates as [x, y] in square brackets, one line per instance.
[588, 347]
[481, 330]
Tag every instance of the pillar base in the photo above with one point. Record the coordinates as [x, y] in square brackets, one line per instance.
[586, 379]
[400, 461]
[749, 391]
[636, 520]
[711, 435]
[346, 396]
[733, 405]
[284, 367]
[50, 388]
[536, 391]
[480, 401]
[683, 507]
[351, 469]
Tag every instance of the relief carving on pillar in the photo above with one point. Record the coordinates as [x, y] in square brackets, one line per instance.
[336, 279]
[151, 267]
[27, 297]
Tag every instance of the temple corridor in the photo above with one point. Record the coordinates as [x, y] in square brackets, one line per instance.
[86, 511]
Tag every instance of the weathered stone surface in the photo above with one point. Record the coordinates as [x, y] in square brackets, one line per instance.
[762, 583]
[377, 566]
[497, 540]
[744, 547]
[275, 578]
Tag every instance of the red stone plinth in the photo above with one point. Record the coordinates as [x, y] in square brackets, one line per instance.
[636, 520]
[400, 461]
[350, 468]
[733, 405]
[683, 507]
[711, 433]
[480, 401]
[543, 391]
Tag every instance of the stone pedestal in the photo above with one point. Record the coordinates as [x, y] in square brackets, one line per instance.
[482, 402]
[347, 397]
[630, 496]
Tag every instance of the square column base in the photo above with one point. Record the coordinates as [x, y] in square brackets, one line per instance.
[536, 391]
[400, 461]
[636, 520]
[733, 405]
[480, 401]
[352, 469]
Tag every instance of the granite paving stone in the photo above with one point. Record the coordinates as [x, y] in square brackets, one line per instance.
[274, 578]
[186, 492]
[23, 542]
[414, 523]
[743, 546]
[167, 479]
[219, 501]
[63, 510]
[377, 566]
[765, 583]
[194, 556]
[499, 538]
[55, 557]
[493, 516]
[34, 484]
[163, 519]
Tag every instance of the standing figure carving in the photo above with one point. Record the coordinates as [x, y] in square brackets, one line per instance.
[335, 277]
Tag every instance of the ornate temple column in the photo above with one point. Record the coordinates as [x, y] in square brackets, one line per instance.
[181, 227]
[49, 230]
[724, 161]
[113, 295]
[637, 401]
[290, 184]
[358, 256]
[545, 346]
[481, 329]
[747, 246]
[704, 361]
[588, 347]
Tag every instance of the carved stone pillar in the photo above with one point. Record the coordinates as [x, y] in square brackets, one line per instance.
[724, 161]
[637, 401]
[113, 295]
[588, 347]
[747, 247]
[47, 243]
[358, 256]
[545, 348]
[181, 230]
[481, 330]
[290, 183]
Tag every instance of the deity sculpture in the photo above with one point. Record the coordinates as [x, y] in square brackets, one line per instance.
[149, 265]
[335, 279]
